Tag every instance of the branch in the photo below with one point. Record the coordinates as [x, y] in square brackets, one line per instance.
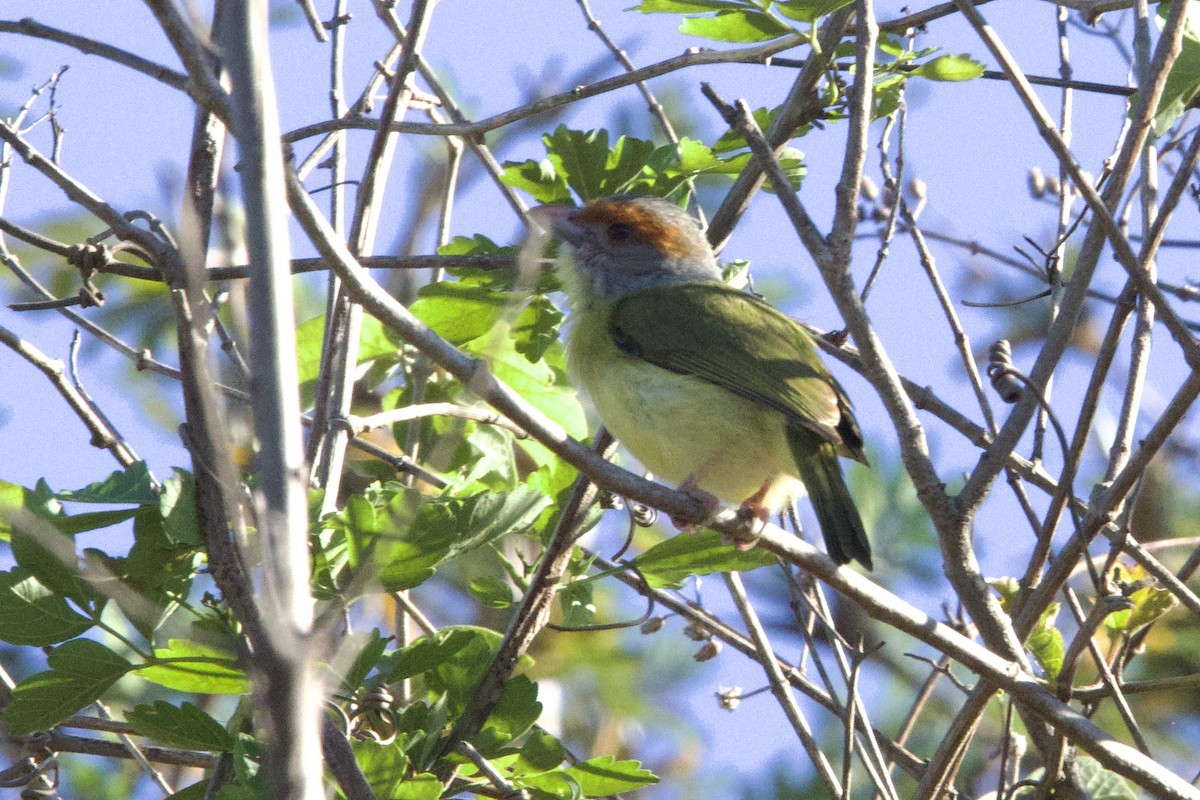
[35, 29]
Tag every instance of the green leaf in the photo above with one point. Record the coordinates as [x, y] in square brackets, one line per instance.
[1183, 81]
[686, 6]
[492, 463]
[516, 713]
[670, 562]
[30, 614]
[384, 766]
[408, 553]
[535, 329]
[132, 485]
[589, 167]
[1046, 644]
[539, 178]
[373, 343]
[603, 776]
[368, 658]
[189, 666]
[1096, 782]
[540, 752]
[453, 662]
[232, 791]
[425, 654]
[422, 786]
[183, 726]
[92, 520]
[576, 601]
[80, 672]
[1149, 604]
[469, 245]
[809, 10]
[950, 68]
[460, 312]
[745, 25]
[556, 784]
[1148, 600]
[49, 555]
[491, 591]
[539, 384]
[197, 791]
[158, 570]
[1100, 784]
[580, 157]
[177, 503]
[12, 498]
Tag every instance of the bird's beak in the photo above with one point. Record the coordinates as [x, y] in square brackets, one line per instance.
[559, 220]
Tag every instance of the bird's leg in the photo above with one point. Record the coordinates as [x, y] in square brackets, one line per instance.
[712, 506]
[755, 514]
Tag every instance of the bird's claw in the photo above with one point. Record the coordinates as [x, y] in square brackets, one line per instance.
[751, 519]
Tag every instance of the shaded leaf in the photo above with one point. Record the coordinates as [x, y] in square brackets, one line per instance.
[30, 614]
[183, 726]
[131, 485]
[515, 714]
[575, 599]
[491, 591]
[177, 503]
[541, 752]
[80, 672]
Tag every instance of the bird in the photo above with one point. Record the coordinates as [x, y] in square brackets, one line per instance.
[708, 386]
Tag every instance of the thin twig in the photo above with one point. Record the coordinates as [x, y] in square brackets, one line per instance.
[779, 687]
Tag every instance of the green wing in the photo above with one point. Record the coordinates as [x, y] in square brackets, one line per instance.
[738, 342]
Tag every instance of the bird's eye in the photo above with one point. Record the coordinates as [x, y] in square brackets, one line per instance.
[619, 232]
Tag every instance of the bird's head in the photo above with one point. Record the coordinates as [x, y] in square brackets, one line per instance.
[616, 245]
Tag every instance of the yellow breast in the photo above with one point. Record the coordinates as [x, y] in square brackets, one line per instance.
[681, 426]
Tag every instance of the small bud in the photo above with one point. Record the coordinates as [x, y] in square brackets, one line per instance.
[730, 697]
[708, 651]
[696, 632]
[1037, 183]
[918, 188]
[868, 189]
[653, 625]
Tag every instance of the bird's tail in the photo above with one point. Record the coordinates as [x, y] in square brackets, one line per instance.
[841, 525]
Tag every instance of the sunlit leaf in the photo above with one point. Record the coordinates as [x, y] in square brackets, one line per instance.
[743, 25]
[950, 68]
[671, 562]
[603, 776]
[809, 10]
[190, 666]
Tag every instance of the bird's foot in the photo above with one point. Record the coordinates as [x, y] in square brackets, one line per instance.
[751, 517]
[712, 506]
